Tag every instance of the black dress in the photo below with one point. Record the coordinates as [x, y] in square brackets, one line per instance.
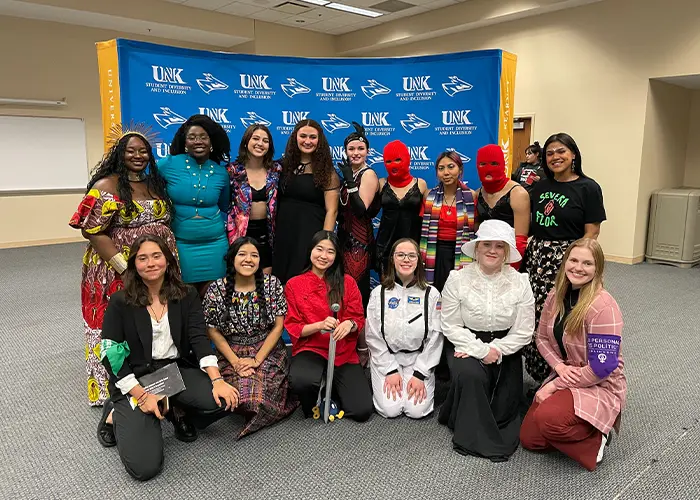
[301, 211]
[500, 211]
[400, 219]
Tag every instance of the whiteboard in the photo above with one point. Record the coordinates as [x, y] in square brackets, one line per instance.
[42, 154]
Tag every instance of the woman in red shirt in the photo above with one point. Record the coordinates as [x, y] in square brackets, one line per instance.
[310, 323]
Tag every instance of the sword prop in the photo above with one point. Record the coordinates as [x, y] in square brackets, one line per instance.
[329, 370]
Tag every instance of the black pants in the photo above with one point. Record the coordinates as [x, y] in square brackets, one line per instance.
[350, 385]
[482, 406]
[139, 438]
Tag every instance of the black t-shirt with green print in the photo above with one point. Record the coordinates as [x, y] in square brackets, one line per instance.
[560, 210]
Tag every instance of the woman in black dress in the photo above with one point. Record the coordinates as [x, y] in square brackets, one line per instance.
[307, 201]
[402, 197]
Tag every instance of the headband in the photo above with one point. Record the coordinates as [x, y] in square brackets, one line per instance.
[357, 135]
[119, 131]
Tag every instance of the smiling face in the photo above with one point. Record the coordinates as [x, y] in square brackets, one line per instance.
[307, 140]
[259, 144]
[323, 255]
[356, 152]
[491, 255]
[405, 260]
[150, 262]
[136, 155]
[580, 267]
[448, 172]
[198, 143]
[247, 260]
[559, 158]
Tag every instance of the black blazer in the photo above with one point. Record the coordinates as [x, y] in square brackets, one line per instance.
[133, 324]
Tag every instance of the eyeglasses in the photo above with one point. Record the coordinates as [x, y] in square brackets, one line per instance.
[410, 256]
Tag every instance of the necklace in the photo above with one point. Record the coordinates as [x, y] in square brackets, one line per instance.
[139, 178]
[162, 313]
[451, 205]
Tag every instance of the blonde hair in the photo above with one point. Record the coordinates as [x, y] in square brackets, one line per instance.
[506, 249]
[573, 324]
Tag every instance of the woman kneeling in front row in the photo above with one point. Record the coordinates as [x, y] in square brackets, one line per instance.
[311, 323]
[579, 336]
[488, 315]
[403, 336]
[157, 320]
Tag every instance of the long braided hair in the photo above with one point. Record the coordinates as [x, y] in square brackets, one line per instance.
[112, 163]
[231, 278]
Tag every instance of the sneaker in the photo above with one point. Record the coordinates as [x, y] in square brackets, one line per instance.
[604, 441]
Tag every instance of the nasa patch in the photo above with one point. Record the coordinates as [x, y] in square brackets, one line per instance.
[393, 303]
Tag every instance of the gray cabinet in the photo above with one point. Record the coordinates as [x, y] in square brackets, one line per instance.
[674, 227]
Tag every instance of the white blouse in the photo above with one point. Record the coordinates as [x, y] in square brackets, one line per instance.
[163, 347]
[404, 329]
[474, 301]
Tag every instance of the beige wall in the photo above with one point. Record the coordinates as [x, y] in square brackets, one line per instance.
[692, 159]
[45, 60]
[586, 71]
[663, 150]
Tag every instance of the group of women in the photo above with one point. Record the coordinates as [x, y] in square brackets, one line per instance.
[213, 252]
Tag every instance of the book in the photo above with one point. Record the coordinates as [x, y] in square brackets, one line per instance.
[164, 382]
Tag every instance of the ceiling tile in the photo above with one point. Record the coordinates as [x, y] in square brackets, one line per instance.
[240, 9]
[269, 15]
[261, 3]
[207, 4]
[175, 1]
[297, 22]
[341, 30]
[438, 4]
[321, 14]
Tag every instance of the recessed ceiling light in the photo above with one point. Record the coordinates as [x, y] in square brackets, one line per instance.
[300, 21]
[353, 10]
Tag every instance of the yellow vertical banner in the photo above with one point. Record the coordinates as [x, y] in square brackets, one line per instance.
[505, 127]
[108, 64]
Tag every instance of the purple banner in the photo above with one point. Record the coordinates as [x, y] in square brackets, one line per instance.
[602, 353]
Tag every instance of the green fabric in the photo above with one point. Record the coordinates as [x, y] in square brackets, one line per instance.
[116, 353]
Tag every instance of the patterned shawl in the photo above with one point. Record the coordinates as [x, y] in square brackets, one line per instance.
[464, 203]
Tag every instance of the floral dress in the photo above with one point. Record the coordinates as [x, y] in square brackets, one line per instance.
[102, 212]
[264, 396]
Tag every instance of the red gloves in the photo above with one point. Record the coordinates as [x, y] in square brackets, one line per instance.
[521, 245]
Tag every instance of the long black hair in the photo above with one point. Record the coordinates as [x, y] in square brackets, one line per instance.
[135, 290]
[244, 154]
[112, 163]
[231, 277]
[570, 143]
[334, 275]
[221, 146]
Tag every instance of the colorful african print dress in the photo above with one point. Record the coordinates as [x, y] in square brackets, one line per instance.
[264, 396]
[102, 212]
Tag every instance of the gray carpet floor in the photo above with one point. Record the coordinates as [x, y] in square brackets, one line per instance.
[49, 450]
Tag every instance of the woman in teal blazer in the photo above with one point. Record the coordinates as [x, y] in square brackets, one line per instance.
[198, 185]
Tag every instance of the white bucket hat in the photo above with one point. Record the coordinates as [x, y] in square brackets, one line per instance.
[494, 230]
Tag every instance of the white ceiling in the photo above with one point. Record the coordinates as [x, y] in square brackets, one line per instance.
[687, 81]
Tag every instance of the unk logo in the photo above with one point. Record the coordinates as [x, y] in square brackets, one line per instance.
[254, 82]
[374, 89]
[413, 123]
[162, 74]
[336, 84]
[291, 118]
[337, 153]
[209, 83]
[373, 157]
[293, 87]
[416, 83]
[455, 86]
[418, 153]
[462, 156]
[334, 123]
[375, 119]
[456, 117]
[168, 117]
[254, 118]
[216, 114]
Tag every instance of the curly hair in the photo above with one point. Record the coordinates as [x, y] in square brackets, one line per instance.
[220, 142]
[243, 153]
[112, 163]
[321, 159]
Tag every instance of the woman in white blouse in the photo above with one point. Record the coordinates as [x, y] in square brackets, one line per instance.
[403, 336]
[488, 315]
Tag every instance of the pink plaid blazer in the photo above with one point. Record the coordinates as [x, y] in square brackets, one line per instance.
[597, 401]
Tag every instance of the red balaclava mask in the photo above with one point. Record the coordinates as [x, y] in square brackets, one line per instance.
[397, 161]
[494, 164]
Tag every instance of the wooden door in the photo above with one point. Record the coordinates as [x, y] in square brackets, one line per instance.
[521, 139]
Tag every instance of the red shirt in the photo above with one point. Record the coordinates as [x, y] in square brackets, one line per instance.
[307, 302]
[447, 224]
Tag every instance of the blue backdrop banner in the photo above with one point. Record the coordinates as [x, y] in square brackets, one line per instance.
[458, 101]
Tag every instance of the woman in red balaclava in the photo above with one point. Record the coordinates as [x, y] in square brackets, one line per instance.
[402, 197]
[501, 198]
